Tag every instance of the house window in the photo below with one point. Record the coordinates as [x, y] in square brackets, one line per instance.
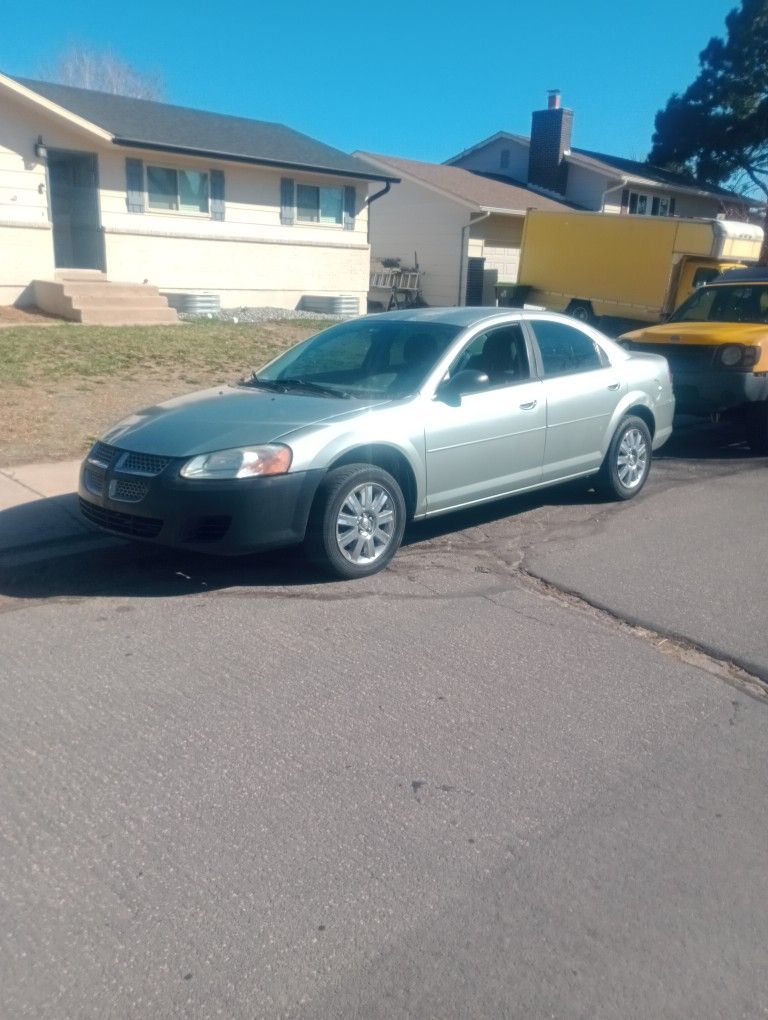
[178, 190]
[319, 205]
[650, 205]
[504, 159]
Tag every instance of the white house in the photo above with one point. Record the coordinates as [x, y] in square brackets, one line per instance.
[548, 163]
[463, 229]
[182, 200]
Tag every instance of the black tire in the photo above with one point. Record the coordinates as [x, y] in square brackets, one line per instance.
[356, 544]
[581, 311]
[628, 460]
[757, 428]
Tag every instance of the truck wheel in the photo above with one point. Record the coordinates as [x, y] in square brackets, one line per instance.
[627, 461]
[357, 522]
[757, 428]
[582, 311]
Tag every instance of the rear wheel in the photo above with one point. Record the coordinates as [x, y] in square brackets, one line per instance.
[757, 428]
[357, 523]
[628, 460]
[581, 311]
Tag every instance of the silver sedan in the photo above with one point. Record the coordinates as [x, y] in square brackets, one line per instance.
[344, 438]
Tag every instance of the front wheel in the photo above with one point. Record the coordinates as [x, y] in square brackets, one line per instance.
[357, 523]
[628, 460]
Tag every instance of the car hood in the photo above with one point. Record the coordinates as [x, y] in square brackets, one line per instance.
[700, 333]
[226, 417]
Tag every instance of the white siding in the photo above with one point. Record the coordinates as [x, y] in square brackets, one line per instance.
[248, 258]
[585, 188]
[488, 159]
[410, 220]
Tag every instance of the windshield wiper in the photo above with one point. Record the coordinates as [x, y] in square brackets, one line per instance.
[307, 384]
[267, 384]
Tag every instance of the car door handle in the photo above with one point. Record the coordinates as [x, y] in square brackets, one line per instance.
[614, 386]
[529, 406]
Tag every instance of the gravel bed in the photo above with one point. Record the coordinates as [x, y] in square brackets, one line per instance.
[257, 315]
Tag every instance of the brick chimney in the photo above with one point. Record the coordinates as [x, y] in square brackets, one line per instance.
[550, 140]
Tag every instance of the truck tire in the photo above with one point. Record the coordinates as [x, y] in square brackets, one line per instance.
[757, 428]
[581, 311]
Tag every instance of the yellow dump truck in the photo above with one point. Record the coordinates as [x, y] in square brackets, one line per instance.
[591, 265]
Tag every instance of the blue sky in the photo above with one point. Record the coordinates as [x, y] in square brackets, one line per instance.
[413, 79]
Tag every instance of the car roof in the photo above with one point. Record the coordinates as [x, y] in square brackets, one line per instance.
[463, 317]
[751, 274]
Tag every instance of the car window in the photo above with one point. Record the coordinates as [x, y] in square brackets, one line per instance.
[743, 303]
[565, 350]
[368, 356]
[501, 353]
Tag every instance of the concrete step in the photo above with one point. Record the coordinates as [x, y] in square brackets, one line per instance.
[83, 296]
[108, 299]
[125, 316]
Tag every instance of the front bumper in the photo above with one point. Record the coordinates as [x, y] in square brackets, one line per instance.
[227, 518]
[700, 384]
[705, 393]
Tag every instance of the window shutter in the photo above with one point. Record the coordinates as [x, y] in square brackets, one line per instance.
[217, 194]
[350, 203]
[287, 201]
[625, 200]
[671, 207]
[134, 178]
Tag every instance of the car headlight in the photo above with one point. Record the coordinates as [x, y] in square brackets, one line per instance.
[731, 355]
[242, 462]
[739, 355]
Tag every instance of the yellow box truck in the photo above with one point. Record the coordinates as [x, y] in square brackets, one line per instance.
[591, 265]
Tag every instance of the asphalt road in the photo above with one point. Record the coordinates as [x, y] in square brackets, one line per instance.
[232, 788]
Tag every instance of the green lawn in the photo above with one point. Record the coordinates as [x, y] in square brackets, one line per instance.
[31, 354]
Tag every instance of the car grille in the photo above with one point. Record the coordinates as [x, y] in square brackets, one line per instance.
[126, 461]
[142, 464]
[94, 479]
[681, 357]
[128, 490]
[124, 524]
[102, 455]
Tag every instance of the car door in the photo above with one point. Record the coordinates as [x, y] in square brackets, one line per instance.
[490, 442]
[581, 391]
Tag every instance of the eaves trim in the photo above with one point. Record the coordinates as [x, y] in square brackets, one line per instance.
[55, 109]
[232, 157]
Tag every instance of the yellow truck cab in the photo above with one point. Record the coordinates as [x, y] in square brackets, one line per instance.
[716, 344]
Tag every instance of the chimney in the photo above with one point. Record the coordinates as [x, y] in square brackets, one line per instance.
[550, 140]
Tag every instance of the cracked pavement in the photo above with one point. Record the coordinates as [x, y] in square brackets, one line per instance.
[449, 790]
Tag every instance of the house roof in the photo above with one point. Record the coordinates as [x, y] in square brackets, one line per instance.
[141, 123]
[602, 163]
[653, 174]
[484, 192]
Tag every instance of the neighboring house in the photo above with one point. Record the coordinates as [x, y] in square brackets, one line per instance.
[462, 228]
[186, 200]
[547, 163]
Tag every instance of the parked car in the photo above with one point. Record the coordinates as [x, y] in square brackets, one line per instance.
[345, 437]
[716, 343]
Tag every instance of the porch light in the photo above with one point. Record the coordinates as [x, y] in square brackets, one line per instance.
[41, 152]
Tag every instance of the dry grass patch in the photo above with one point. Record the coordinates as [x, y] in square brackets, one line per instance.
[63, 384]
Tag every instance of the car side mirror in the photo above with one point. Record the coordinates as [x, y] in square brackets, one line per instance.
[468, 380]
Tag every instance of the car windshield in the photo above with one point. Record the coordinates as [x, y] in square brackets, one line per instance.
[731, 303]
[365, 357]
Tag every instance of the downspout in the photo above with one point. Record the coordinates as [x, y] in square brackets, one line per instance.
[465, 254]
[370, 200]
